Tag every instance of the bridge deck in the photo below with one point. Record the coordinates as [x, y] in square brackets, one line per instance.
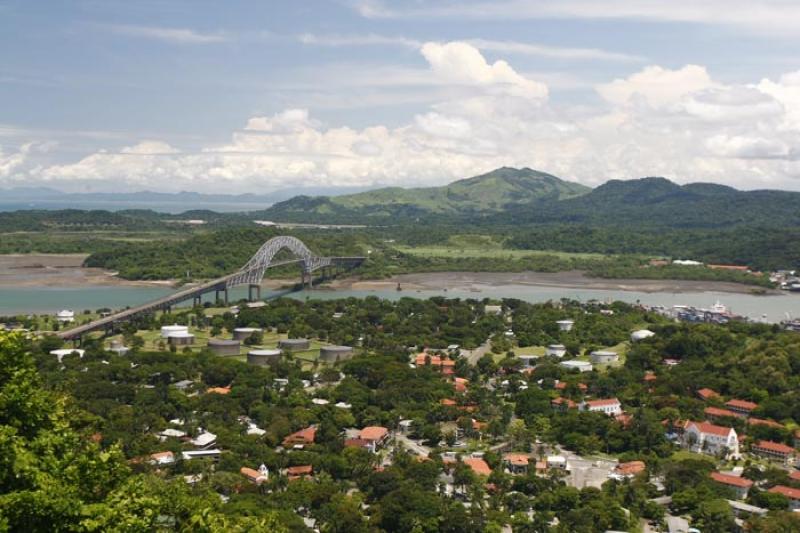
[218, 284]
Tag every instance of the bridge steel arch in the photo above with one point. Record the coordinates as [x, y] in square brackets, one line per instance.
[253, 271]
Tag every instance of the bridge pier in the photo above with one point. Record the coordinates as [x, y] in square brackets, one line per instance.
[250, 289]
[216, 295]
[197, 301]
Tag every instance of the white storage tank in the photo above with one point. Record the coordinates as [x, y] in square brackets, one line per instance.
[174, 328]
[604, 357]
[241, 334]
[263, 357]
[556, 350]
[641, 335]
[565, 325]
[181, 338]
[224, 346]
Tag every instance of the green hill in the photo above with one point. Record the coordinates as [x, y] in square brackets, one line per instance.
[493, 192]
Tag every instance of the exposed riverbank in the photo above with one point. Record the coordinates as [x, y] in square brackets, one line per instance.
[62, 271]
[66, 271]
[475, 281]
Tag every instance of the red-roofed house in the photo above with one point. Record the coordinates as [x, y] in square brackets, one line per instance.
[752, 421]
[255, 476]
[608, 406]
[630, 469]
[794, 475]
[299, 472]
[706, 394]
[478, 465]
[562, 404]
[704, 437]
[516, 463]
[304, 437]
[218, 390]
[774, 451]
[789, 492]
[741, 407]
[649, 376]
[739, 485]
[714, 413]
[444, 364]
[561, 385]
[376, 436]
[461, 384]
[357, 443]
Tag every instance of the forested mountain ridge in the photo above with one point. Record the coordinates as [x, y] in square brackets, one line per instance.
[493, 192]
[519, 196]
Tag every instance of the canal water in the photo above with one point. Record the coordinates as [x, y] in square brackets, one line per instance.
[775, 308]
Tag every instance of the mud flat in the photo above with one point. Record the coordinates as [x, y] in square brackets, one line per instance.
[60, 270]
[477, 281]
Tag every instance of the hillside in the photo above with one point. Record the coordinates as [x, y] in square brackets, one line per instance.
[508, 196]
[493, 192]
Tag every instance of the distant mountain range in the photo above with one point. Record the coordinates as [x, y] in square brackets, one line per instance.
[51, 199]
[524, 196]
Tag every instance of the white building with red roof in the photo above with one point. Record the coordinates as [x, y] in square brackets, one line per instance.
[792, 494]
[705, 437]
[739, 485]
[741, 407]
[608, 406]
[774, 451]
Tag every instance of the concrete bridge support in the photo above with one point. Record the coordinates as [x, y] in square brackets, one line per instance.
[225, 294]
[250, 289]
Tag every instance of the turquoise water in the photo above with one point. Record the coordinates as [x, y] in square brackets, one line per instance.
[25, 300]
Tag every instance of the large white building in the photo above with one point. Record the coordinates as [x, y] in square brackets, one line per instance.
[609, 406]
[704, 437]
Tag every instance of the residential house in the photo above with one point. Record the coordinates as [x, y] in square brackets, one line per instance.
[715, 413]
[741, 407]
[218, 390]
[299, 472]
[752, 421]
[255, 476]
[162, 458]
[608, 406]
[792, 494]
[629, 469]
[445, 365]
[301, 438]
[375, 436]
[562, 404]
[739, 485]
[704, 437]
[706, 394]
[562, 385]
[478, 465]
[204, 440]
[516, 463]
[774, 451]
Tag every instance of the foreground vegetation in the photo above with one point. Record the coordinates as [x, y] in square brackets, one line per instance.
[77, 436]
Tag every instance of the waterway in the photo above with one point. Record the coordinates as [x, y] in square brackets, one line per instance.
[48, 299]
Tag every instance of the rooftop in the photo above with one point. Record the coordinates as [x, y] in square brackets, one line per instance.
[775, 447]
[373, 433]
[728, 479]
[789, 492]
[712, 429]
[478, 465]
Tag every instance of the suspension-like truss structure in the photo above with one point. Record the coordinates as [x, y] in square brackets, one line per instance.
[253, 272]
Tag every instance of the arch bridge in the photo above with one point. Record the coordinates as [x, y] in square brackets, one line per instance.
[250, 274]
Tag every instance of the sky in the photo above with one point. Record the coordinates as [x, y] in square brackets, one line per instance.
[263, 95]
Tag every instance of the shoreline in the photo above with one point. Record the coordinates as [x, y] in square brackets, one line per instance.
[476, 281]
[66, 271]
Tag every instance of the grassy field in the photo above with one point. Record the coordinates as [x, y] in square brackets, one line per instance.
[488, 252]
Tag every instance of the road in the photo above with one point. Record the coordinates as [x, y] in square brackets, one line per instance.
[415, 448]
[474, 355]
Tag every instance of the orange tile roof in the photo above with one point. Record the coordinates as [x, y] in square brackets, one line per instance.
[161, 455]
[448, 402]
[603, 402]
[303, 470]
[304, 436]
[561, 385]
[741, 404]
[727, 479]
[517, 459]
[713, 429]
[218, 390]
[649, 376]
[356, 443]
[631, 468]
[794, 475]
[763, 422]
[716, 411]
[479, 466]
[461, 384]
[789, 492]
[373, 433]
[560, 400]
[775, 447]
[706, 393]
[252, 475]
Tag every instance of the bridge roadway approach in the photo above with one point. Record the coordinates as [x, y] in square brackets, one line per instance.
[250, 274]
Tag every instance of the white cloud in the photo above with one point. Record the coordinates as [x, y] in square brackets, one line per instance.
[171, 35]
[370, 39]
[677, 123]
[762, 16]
[462, 63]
[656, 85]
